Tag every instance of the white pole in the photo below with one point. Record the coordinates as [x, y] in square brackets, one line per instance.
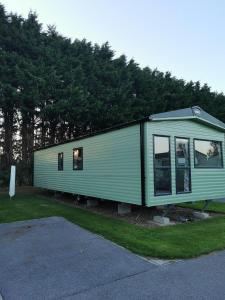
[12, 185]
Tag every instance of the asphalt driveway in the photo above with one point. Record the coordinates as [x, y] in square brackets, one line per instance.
[52, 258]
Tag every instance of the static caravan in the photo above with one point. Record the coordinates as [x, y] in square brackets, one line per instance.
[166, 158]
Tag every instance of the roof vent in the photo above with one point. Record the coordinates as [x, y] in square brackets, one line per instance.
[196, 111]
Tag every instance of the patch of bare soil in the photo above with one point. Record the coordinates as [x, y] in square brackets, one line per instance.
[21, 190]
[141, 216]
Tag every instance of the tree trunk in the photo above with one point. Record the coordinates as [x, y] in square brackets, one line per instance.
[52, 132]
[43, 133]
[27, 134]
[8, 117]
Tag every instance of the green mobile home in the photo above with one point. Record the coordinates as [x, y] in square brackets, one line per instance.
[166, 158]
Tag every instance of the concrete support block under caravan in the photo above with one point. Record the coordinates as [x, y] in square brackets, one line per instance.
[165, 158]
[161, 220]
[123, 208]
[92, 202]
[200, 215]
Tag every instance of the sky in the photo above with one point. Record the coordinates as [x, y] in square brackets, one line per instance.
[184, 37]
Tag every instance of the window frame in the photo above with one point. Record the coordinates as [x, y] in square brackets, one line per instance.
[183, 168]
[79, 148]
[154, 167]
[62, 167]
[208, 140]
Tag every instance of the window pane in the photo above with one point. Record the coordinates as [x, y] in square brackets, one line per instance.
[78, 159]
[183, 180]
[162, 181]
[182, 152]
[161, 151]
[60, 161]
[208, 154]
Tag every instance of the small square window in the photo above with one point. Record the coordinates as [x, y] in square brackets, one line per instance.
[60, 161]
[78, 159]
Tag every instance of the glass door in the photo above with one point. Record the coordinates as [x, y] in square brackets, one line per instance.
[183, 168]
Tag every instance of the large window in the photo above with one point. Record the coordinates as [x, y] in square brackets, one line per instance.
[208, 154]
[78, 159]
[162, 165]
[183, 174]
[60, 161]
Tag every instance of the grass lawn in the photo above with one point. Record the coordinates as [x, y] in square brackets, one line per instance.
[180, 241]
[212, 207]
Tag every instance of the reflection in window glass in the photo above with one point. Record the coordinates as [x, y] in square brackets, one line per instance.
[208, 154]
[60, 161]
[162, 165]
[162, 152]
[183, 174]
[182, 152]
[183, 180]
[78, 158]
[162, 181]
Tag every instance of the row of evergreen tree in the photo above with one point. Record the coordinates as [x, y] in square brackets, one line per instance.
[53, 89]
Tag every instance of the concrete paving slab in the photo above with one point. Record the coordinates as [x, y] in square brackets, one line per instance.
[220, 200]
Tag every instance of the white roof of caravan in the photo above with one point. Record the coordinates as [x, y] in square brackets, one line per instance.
[196, 113]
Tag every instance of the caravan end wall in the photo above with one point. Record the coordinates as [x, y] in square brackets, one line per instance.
[206, 183]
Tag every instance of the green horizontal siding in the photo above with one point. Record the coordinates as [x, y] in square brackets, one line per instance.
[111, 167]
[206, 183]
